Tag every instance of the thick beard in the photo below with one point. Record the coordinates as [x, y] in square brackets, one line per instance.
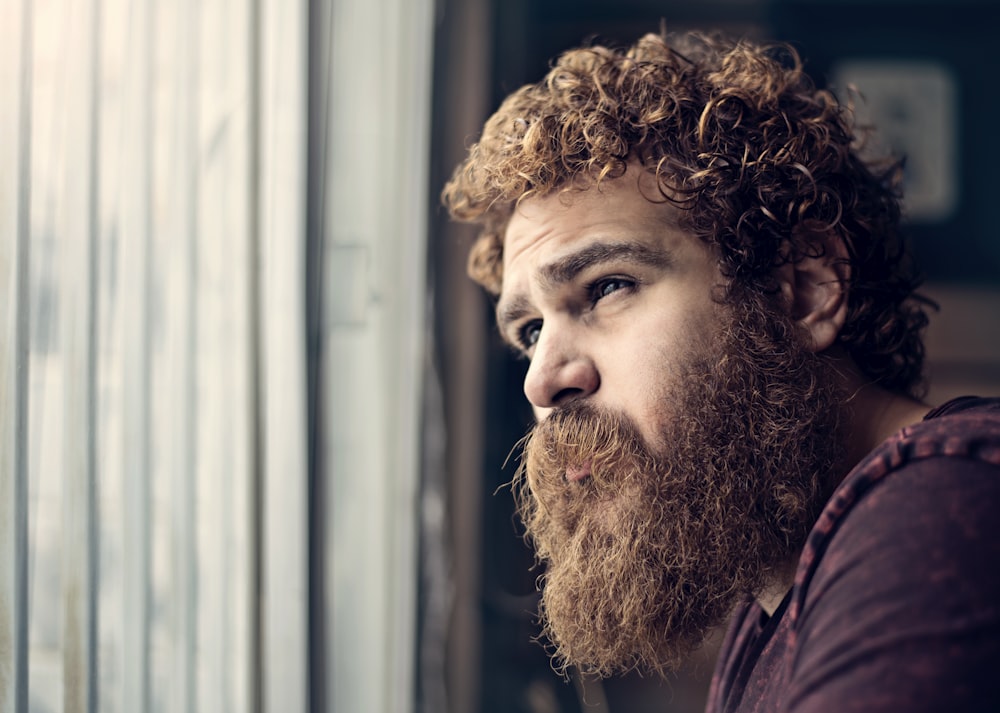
[656, 546]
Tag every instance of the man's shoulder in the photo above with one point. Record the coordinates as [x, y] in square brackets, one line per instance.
[955, 440]
[896, 602]
[933, 485]
[966, 427]
[897, 588]
[912, 524]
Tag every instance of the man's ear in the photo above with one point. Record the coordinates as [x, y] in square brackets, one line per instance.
[815, 291]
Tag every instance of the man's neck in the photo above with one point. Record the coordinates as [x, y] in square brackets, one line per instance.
[874, 415]
[770, 598]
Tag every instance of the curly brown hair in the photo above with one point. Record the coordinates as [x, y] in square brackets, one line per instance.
[764, 165]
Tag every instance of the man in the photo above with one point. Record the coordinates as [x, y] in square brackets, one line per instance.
[725, 366]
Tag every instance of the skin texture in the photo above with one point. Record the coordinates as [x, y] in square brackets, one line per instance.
[642, 276]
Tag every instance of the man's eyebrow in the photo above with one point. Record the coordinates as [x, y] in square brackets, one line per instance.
[566, 268]
[569, 266]
[510, 312]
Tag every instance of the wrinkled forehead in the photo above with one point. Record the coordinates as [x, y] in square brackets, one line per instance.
[585, 203]
[488, 255]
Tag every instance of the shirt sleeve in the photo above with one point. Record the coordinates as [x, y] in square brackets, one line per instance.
[903, 611]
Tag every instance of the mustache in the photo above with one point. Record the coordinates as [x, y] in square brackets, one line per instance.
[579, 434]
[578, 437]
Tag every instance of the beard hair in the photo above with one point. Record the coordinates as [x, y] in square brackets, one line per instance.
[659, 543]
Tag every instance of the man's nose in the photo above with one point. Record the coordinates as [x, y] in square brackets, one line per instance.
[559, 372]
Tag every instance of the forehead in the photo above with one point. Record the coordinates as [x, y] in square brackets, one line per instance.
[625, 210]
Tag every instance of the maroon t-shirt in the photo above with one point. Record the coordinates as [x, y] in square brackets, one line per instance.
[896, 602]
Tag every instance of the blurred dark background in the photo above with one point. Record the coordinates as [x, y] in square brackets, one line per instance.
[933, 71]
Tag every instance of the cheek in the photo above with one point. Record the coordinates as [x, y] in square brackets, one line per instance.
[640, 382]
[653, 375]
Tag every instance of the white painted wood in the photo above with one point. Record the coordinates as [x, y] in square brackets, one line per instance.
[374, 300]
[283, 47]
[15, 160]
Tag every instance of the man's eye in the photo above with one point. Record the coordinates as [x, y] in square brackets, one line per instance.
[606, 286]
[529, 333]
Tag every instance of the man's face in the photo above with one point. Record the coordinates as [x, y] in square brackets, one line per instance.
[683, 447]
[607, 296]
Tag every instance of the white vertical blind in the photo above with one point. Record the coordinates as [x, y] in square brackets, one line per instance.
[76, 223]
[135, 236]
[154, 484]
[15, 157]
[223, 242]
[182, 416]
[127, 445]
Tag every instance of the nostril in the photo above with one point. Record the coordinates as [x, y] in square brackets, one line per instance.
[567, 394]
